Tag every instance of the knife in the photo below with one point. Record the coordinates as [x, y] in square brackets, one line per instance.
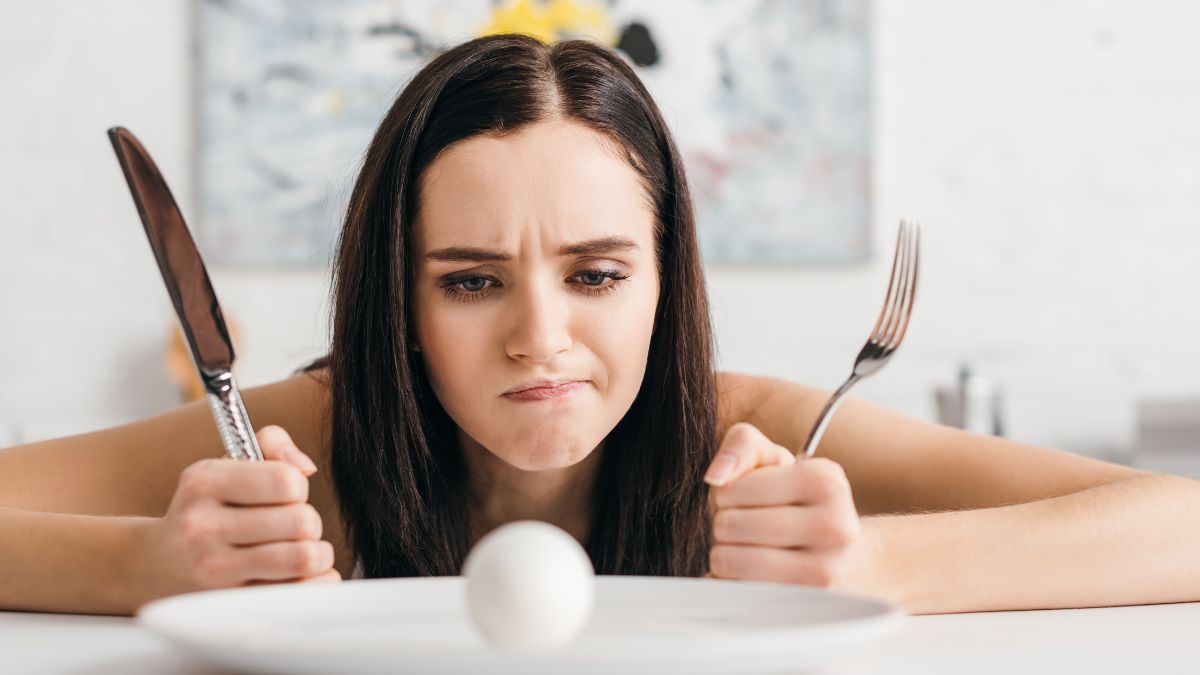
[191, 293]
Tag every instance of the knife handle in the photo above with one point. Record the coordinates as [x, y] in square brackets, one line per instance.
[230, 414]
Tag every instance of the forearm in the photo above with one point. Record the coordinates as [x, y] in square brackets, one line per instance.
[1124, 543]
[54, 562]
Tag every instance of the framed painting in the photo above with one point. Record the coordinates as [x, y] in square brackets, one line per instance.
[769, 101]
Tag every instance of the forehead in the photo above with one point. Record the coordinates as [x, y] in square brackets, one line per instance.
[550, 182]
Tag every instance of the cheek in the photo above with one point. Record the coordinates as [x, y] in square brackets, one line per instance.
[452, 344]
[620, 337]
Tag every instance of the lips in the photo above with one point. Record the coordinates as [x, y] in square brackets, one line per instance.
[541, 391]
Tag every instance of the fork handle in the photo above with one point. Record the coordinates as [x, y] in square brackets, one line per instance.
[810, 446]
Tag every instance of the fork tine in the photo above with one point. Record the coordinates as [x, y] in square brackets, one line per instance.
[889, 298]
[890, 314]
[913, 253]
[894, 309]
[889, 328]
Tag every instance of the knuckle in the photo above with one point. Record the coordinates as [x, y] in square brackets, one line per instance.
[740, 433]
[829, 469]
[212, 570]
[819, 573]
[833, 532]
[306, 559]
[326, 555]
[197, 479]
[721, 562]
[288, 482]
[827, 480]
[716, 560]
[197, 527]
[307, 522]
[724, 523]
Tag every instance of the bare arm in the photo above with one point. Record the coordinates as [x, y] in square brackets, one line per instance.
[897, 464]
[958, 522]
[133, 469]
[1122, 543]
[79, 515]
[55, 562]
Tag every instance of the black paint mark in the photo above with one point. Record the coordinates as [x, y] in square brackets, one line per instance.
[724, 68]
[278, 178]
[638, 44]
[416, 45]
[286, 71]
[241, 10]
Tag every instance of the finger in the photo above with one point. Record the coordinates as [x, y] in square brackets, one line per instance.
[281, 561]
[244, 525]
[276, 443]
[244, 483]
[332, 576]
[743, 449]
[783, 527]
[808, 482]
[762, 563]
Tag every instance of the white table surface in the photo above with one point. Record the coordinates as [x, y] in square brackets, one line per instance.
[1137, 640]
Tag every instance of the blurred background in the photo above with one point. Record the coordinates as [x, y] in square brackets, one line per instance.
[1049, 147]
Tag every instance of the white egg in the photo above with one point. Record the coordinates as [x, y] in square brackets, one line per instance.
[530, 586]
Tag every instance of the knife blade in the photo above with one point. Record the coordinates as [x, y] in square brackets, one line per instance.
[191, 293]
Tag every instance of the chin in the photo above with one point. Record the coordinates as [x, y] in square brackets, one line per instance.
[559, 456]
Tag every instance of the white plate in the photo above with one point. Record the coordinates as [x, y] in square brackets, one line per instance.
[421, 625]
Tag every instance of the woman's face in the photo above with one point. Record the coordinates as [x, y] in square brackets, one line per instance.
[535, 263]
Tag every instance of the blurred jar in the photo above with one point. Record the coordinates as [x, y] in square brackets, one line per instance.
[974, 404]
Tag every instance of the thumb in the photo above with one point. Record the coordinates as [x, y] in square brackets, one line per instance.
[743, 449]
[276, 444]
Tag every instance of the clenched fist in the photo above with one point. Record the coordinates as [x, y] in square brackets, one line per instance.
[776, 518]
[235, 523]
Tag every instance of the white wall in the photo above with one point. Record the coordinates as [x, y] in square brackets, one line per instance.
[1050, 146]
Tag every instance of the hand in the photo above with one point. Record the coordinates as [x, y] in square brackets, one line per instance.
[779, 519]
[238, 523]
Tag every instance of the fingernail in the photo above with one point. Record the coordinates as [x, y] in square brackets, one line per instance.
[300, 461]
[721, 468]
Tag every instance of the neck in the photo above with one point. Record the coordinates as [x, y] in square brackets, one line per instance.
[499, 493]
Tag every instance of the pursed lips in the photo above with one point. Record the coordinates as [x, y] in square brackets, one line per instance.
[544, 391]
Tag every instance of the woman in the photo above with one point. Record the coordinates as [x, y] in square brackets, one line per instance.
[521, 331]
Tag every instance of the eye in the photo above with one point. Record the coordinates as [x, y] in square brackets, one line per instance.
[474, 284]
[600, 281]
[469, 288]
[593, 278]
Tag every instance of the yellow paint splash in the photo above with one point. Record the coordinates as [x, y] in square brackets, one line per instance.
[552, 20]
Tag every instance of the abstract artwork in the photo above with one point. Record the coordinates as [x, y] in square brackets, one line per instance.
[769, 101]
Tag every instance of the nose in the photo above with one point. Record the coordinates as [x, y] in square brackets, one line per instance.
[540, 325]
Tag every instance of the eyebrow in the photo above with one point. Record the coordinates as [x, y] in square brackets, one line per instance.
[589, 247]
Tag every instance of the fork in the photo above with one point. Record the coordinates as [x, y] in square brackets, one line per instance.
[889, 329]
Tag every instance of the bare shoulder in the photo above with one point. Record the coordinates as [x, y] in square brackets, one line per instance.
[301, 405]
[746, 398]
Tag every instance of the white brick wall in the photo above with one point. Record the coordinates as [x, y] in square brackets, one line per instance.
[1050, 146]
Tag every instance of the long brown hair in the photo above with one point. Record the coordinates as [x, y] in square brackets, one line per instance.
[396, 463]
